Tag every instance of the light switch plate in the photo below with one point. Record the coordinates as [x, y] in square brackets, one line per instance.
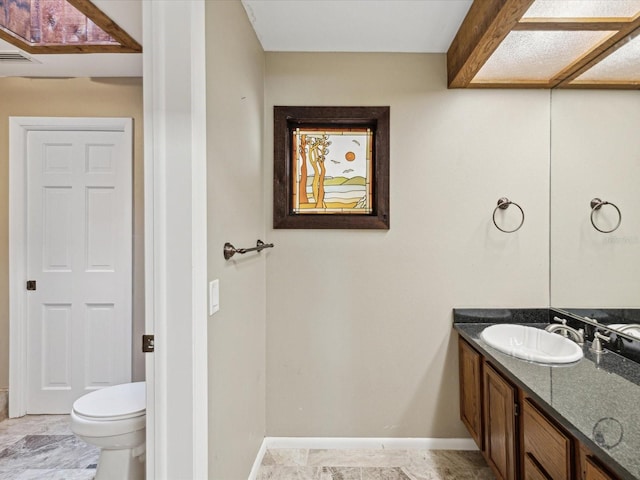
[214, 296]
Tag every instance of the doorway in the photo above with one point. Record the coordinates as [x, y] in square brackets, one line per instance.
[70, 259]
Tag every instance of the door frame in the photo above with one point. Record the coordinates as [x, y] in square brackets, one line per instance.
[19, 128]
[175, 163]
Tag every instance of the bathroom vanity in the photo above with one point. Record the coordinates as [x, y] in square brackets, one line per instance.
[531, 421]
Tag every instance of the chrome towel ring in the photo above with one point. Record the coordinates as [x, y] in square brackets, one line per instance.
[503, 204]
[596, 204]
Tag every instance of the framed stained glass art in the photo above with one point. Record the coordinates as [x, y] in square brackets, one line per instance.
[331, 167]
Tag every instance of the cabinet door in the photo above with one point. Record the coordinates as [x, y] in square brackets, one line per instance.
[500, 425]
[471, 390]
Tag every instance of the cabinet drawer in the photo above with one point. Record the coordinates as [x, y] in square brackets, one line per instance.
[550, 447]
[531, 470]
[594, 472]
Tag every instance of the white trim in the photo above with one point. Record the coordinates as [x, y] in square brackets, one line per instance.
[200, 409]
[176, 238]
[19, 127]
[151, 96]
[371, 443]
[253, 475]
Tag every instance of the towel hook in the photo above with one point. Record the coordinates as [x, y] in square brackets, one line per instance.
[229, 250]
[596, 204]
[503, 204]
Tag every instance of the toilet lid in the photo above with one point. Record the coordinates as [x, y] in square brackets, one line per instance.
[120, 401]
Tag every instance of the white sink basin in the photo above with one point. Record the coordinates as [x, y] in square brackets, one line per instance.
[531, 343]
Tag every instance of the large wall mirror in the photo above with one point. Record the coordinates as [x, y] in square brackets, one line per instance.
[595, 154]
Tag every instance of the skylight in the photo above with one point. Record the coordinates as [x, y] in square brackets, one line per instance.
[547, 44]
[62, 26]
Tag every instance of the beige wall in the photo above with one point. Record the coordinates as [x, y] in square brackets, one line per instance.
[359, 337]
[73, 97]
[235, 100]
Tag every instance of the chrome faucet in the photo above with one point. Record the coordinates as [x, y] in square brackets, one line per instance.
[564, 329]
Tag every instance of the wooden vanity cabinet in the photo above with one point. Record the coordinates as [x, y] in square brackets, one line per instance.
[487, 408]
[471, 391]
[499, 424]
[518, 439]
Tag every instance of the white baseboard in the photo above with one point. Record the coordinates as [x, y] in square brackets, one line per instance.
[360, 443]
[365, 442]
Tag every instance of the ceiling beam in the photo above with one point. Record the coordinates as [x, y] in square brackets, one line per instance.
[571, 24]
[486, 25]
[105, 23]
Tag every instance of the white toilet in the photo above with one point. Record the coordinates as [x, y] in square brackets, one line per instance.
[114, 419]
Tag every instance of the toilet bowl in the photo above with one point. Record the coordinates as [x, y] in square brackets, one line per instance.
[114, 419]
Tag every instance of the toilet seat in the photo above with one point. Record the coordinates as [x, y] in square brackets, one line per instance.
[118, 402]
[110, 411]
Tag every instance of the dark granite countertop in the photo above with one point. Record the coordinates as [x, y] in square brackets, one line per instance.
[596, 399]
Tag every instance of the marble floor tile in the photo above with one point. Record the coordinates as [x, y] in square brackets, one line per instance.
[280, 472]
[48, 451]
[75, 474]
[341, 473]
[37, 425]
[373, 464]
[460, 465]
[8, 438]
[384, 473]
[286, 456]
[358, 458]
[43, 447]
[421, 473]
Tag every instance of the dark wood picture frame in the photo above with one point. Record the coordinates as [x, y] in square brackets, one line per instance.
[285, 121]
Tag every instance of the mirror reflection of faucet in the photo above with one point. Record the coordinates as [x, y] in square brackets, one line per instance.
[596, 345]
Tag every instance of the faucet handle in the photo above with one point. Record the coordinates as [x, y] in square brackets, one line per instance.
[563, 321]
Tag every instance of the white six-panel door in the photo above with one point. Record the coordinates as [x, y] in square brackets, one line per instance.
[78, 249]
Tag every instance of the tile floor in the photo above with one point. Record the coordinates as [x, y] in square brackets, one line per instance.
[43, 447]
[302, 464]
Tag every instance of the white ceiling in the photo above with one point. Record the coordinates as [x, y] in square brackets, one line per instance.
[356, 25]
[281, 25]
